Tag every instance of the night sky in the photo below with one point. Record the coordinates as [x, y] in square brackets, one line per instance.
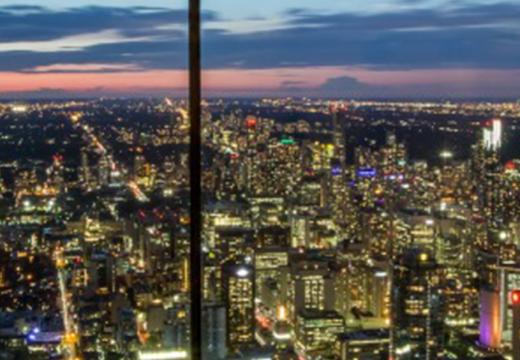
[350, 48]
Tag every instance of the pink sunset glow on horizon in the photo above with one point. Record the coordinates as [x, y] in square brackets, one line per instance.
[124, 79]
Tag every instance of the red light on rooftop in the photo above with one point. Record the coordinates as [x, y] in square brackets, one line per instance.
[515, 297]
[489, 123]
[510, 165]
[251, 122]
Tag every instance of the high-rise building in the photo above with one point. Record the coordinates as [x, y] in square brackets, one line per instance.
[238, 287]
[85, 169]
[488, 172]
[363, 344]
[490, 328]
[338, 128]
[316, 333]
[214, 331]
[418, 311]
[311, 287]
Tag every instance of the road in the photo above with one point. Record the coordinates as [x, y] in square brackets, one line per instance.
[134, 188]
[70, 339]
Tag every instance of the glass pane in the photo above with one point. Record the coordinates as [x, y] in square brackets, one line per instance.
[360, 179]
[94, 180]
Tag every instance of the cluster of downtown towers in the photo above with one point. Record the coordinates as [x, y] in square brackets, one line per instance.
[323, 235]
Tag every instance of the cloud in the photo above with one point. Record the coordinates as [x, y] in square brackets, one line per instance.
[21, 7]
[480, 36]
[89, 93]
[343, 84]
[484, 36]
[96, 39]
[334, 87]
[77, 42]
[417, 84]
[293, 83]
[42, 93]
[84, 68]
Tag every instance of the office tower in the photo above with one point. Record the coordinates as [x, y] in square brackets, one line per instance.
[311, 287]
[338, 128]
[101, 272]
[233, 243]
[460, 296]
[227, 185]
[282, 170]
[321, 155]
[271, 267]
[85, 169]
[509, 276]
[498, 277]
[273, 236]
[344, 211]
[214, 331]
[376, 227]
[316, 332]
[103, 171]
[492, 135]
[392, 157]
[487, 168]
[139, 159]
[238, 288]
[252, 153]
[362, 294]
[490, 327]
[310, 191]
[212, 278]
[300, 228]
[418, 311]
[371, 344]
[267, 211]
[57, 174]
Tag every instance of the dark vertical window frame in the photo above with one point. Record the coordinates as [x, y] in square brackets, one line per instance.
[195, 178]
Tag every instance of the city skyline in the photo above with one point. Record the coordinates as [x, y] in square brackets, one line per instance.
[343, 184]
[388, 49]
[369, 230]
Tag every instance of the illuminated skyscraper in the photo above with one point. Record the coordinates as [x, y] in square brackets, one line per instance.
[489, 179]
[339, 136]
[418, 314]
[238, 286]
[490, 329]
[312, 287]
[214, 331]
[85, 170]
[252, 162]
[316, 333]
[492, 135]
